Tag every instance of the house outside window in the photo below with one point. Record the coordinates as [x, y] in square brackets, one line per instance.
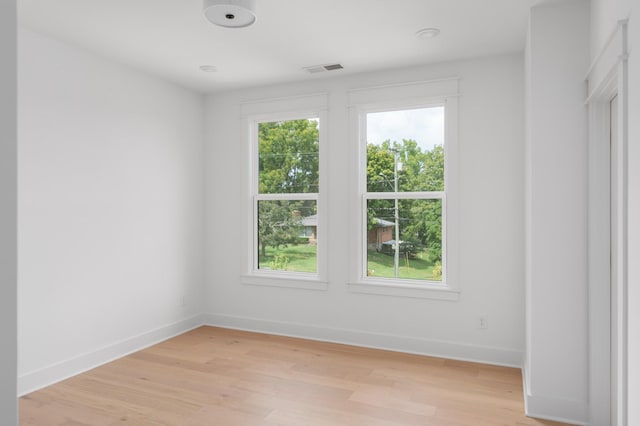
[310, 228]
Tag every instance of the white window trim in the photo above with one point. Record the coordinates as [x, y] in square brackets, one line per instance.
[448, 289]
[300, 280]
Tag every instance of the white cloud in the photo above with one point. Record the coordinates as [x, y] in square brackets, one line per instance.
[424, 125]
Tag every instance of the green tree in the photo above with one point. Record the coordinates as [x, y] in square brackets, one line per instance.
[288, 160]
[288, 163]
[380, 167]
[420, 220]
[423, 171]
[379, 179]
[278, 223]
[425, 226]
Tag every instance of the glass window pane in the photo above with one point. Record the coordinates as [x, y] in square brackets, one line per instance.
[405, 148]
[419, 224]
[287, 235]
[288, 156]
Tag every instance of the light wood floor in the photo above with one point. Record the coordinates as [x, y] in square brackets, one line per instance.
[214, 376]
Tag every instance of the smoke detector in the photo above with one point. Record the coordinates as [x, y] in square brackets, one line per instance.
[230, 13]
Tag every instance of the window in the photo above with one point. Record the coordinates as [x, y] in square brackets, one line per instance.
[286, 187]
[405, 196]
[405, 223]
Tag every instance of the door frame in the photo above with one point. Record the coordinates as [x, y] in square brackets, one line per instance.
[607, 80]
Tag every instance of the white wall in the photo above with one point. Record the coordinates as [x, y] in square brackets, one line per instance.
[556, 355]
[604, 17]
[111, 194]
[8, 210]
[491, 138]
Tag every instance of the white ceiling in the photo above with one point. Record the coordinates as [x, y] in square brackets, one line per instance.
[171, 38]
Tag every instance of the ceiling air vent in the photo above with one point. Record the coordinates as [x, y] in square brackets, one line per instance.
[322, 68]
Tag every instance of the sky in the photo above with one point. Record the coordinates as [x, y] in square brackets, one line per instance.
[424, 125]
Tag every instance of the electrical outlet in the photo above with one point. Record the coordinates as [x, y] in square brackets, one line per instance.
[483, 322]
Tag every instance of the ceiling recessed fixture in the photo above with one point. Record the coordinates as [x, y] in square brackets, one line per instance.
[230, 13]
[208, 68]
[428, 33]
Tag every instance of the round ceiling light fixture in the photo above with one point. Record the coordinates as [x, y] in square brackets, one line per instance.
[428, 33]
[208, 68]
[230, 13]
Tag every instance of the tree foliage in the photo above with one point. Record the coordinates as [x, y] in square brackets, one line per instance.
[278, 223]
[288, 157]
[420, 220]
[288, 163]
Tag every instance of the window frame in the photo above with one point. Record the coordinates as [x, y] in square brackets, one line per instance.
[447, 289]
[276, 278]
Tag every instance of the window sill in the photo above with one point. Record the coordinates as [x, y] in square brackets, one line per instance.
[297, 281]
[419, 291]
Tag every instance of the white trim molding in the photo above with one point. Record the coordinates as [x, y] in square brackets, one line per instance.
[422, 94]
[390, 287]
[294, 104]
[38, 379]
[607, 81]
[280, 109]
[406, 344]
[555, 409]
[605, 67]
[273, 279]
[415, 93]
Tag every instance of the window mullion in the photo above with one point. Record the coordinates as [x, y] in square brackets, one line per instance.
[286, 196]
[425, 195]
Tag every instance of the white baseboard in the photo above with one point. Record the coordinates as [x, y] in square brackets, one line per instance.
[437, 348]
[34, 380]
[46, 376]
[555, 409]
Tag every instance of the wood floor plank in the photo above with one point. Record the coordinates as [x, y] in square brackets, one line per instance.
[215, 376]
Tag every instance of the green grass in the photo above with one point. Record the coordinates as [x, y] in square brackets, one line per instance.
[301, 258]
[382, 265]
